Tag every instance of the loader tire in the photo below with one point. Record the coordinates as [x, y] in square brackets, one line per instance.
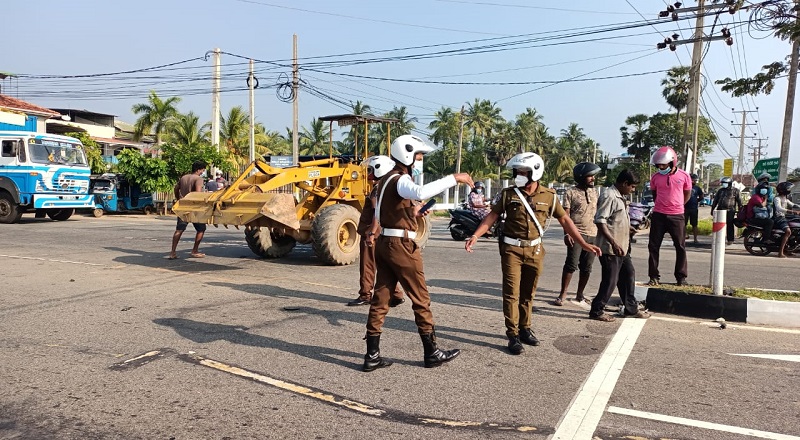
[334, 236]
[267, 244]
[423, 231]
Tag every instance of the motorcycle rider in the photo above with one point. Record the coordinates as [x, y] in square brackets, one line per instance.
[527, 206]
[580, 204]
[671, 188]
[375, 167]
[757, 213]
[477, 201]
[782, 205]
[728, 198]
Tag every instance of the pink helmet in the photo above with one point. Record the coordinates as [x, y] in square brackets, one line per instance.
[664, 155]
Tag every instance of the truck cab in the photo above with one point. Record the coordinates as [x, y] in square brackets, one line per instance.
[42, 173]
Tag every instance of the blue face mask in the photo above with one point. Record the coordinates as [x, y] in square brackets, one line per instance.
[724, 185]
[664, 172]
[763, 191]
[478, 190]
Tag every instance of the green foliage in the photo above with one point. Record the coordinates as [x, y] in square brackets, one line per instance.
[762, 82]
[150, 173]
[179, 159]
[156, 116]
[93, 153]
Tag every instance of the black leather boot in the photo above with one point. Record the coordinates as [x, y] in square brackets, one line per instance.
[526, 336]
[373, 359]
[433, 355]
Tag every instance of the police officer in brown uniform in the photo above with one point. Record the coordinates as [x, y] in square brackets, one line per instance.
[397, 255]
[527, 206]
[376, 167]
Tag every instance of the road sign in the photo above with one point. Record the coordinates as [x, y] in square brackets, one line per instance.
[771, 166]
[280, 161]
[727, 167]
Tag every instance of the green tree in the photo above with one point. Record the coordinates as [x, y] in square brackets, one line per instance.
[179, 159]
[635, 137]
[528, 131]
[482, 117]
[186, 130]
[676, 88]
[155, 116]
[315, 140]
[151, 174]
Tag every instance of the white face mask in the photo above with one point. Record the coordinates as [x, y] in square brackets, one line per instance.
[724, 185]
[521, 181]
[417, 168]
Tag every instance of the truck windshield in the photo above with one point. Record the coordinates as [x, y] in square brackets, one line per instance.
[44, 151]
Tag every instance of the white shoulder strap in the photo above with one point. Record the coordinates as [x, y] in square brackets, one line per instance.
[530, 212]
[380, 197]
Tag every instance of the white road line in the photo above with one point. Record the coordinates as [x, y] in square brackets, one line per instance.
[776, 357]
[700, 424]
[730, 326]
[50, 260]
[586, 409]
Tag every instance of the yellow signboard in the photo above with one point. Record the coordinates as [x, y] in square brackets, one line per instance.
[727, 168]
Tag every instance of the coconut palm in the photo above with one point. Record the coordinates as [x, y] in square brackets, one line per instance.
[527, 133]
[379, 133]
[481, 117]
[315, 140]
[635, 136]
[186, 130]
[156, 116]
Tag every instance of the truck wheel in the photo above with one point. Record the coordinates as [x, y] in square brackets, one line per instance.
[334, 235]
[97, 212]
[423, 231]
[9, 211]
[267, 244]
[60, 214]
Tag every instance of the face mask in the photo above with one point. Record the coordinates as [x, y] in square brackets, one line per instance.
[521, 181]
[415, 172]
[479, 191]
[763, 191]
[664, 172]
[724, 185]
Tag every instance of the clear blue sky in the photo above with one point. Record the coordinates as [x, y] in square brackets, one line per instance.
[93, 36]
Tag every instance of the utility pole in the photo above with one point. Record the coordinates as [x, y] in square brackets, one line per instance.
[458, 156]
[757, 151]
[742, 137]
[694, 90]
[693, 103]
[295, 116]
[786, 138]
[215, 107]
[251, 80]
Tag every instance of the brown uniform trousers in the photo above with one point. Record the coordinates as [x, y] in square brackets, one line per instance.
[521, 269]
[400, 261]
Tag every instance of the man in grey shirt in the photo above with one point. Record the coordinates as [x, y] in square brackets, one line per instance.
[613, 238]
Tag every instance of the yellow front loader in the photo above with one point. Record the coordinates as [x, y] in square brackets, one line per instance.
[317, 201]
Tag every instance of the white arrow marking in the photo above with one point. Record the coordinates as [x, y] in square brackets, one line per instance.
[777, 357]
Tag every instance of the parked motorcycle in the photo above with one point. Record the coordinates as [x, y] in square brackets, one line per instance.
[640, 215]
[755, 244]
[463, 224]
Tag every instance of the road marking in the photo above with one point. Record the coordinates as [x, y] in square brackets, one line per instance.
[142, 359]
[349, 404]
[700, 424]
[50, 260]
[587, 407]
[777, 357]
[730, 326]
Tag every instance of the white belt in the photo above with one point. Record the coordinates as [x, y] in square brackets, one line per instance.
[521, 243]
[402, 233]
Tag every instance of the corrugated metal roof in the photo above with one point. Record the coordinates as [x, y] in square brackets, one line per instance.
[23, 106]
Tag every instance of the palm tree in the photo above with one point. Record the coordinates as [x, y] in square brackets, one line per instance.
[404, 125]
[527, 130]
[635, 136]
[356, 131]
[446, 126]
[315, 141]
[235, 129]
[186, 130]
[156, 116]
[482, 117]
[676, 88]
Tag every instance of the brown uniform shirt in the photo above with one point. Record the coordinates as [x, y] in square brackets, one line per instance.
[518, 223]
[396, 212]
[582, 205]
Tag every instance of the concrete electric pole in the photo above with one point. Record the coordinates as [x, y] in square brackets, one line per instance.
[742, 137]
[215, 106]
[295, 115]
[786, 138]
[251, 84]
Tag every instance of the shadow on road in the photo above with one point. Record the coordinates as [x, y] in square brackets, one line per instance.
[138, 257]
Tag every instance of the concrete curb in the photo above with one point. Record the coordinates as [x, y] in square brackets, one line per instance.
[748, 310]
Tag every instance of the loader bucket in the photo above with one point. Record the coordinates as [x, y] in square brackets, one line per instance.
[240, 209]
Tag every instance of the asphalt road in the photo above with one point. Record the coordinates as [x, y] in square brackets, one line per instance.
[102, 337]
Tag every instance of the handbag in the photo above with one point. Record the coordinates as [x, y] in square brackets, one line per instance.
[760, 212]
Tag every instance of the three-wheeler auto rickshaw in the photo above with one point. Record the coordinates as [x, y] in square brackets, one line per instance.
[114, 193]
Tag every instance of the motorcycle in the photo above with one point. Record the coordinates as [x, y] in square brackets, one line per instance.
[640, 215]
[463, 224]
[755, 244]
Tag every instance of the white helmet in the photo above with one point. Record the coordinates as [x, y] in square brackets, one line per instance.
[405, 147]
[528, 162]
[664, 156]
[379, 166]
